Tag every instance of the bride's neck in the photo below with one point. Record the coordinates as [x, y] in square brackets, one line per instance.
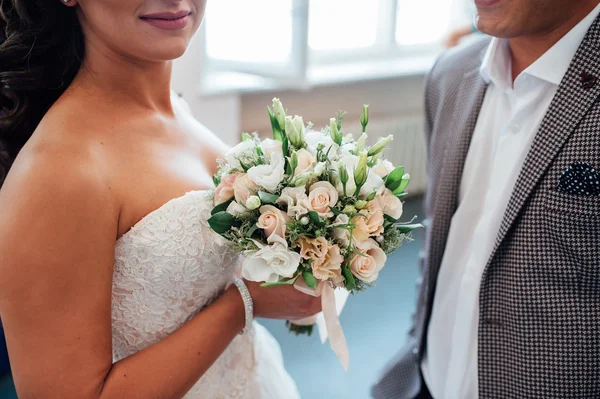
[124, 80]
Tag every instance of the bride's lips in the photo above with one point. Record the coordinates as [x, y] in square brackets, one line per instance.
[168, 20]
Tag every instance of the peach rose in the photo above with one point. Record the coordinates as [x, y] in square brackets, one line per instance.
[273, 222]
[321, 196]
[370, 224]
[312, 248]
[390, 204]
[305, 161]
[243, 188]
[367, 264]
[224, 191]
[329, 267]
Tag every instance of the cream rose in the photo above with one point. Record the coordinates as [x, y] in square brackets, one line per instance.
[296, 201]
[270, 263]
[390, 204]
[321, 196]
[370, 224]
[224, 191]
[305, 162]
[329, 266]
[383, 168]
[367, 264]
[243, 188]
[341, 235]
[270, 146]
[236, 209]
[273, 222]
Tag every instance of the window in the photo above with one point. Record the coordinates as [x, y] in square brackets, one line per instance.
[284, 40]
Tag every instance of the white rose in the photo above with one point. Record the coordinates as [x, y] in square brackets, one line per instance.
[268, 176]
[305, 162]
[390, 204]
[367, 264]
[296, 200]
[236, 209]
[322, 196]
[270, 146]
[245, 149]
[342, 235]
[383, 168]
[270, 263]
[313, 139]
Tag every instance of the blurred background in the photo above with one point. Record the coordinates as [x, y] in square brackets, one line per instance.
[321, 56]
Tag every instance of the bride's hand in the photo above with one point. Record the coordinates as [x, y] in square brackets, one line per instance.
[284, 302]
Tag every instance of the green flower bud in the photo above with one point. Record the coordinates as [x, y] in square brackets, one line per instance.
[294, 162]
[344, 176]
[360, 174]
[253, 202]
[360, 144]
[294, 127]
[336, 136]
[360, 204]
[364, 118]
[349, 210]
[380, 146]
[279, 113]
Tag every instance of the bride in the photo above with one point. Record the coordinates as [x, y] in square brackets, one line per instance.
[111, 283]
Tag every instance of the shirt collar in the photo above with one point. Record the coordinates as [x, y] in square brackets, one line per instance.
[550, 67]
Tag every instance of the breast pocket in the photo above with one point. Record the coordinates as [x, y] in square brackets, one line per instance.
[574, 226]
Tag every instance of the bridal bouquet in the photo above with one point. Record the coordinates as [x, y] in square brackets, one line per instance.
[316, 209]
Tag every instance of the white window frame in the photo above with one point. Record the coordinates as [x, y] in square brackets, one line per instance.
[298, 70]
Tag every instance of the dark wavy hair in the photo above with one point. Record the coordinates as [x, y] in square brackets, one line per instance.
[41, 51]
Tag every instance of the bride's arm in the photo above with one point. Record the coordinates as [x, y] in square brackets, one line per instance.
[57, 237]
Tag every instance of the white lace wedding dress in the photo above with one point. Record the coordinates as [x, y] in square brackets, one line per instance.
[170, 266]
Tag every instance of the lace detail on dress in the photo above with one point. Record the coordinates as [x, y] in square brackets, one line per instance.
[167, 268]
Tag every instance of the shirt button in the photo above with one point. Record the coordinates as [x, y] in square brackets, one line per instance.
[415, 351]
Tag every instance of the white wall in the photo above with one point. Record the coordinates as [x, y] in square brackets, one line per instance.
[221, 114]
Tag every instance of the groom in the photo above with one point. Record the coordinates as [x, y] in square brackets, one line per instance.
[509, 300]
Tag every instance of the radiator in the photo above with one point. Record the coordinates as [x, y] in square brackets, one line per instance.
[407, 149]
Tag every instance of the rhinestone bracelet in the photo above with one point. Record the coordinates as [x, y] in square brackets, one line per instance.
[248, 304]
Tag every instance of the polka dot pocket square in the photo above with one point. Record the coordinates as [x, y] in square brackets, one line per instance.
[580, 179]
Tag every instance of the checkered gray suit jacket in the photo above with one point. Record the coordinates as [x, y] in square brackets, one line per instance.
[539, 323]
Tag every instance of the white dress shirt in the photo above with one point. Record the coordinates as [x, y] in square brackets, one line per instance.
[509, 119]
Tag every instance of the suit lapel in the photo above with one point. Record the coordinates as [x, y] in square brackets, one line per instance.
[570, 104]
[468, 104]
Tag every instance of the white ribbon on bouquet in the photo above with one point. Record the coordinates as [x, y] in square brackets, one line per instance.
[328, 322]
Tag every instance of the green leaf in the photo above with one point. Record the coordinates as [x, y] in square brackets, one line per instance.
[221, 207]
[350, 281]
[389, 218]
[401, 195]
[251, 230]
[309, 279]
[221, 222]
[267, 198]
[400, 189]
[277, 132]
[394, 179]
[281, 283]
[335, 211]
[216, 180]
[314, 216]
[246, 137]
[407, 228]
